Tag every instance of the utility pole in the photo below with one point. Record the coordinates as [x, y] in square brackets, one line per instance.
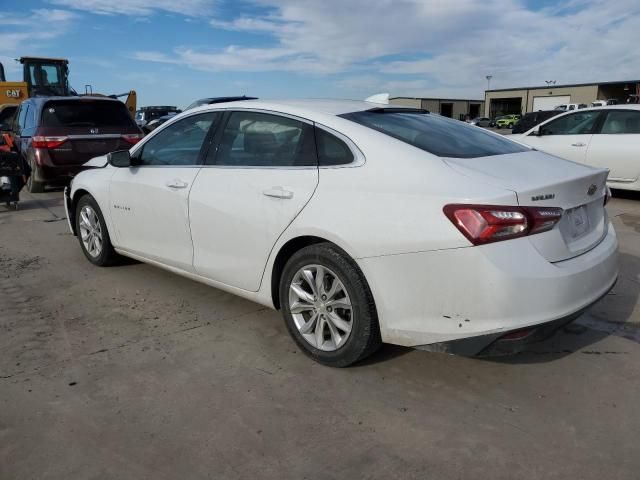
[489, 77]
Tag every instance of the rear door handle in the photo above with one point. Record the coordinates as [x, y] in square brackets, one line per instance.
[175, 183]
[278, 192]
[579, 144]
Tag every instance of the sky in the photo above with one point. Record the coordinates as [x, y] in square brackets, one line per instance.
[175, 51]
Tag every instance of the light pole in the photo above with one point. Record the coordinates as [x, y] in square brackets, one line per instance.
[489, 77]
[550, 82]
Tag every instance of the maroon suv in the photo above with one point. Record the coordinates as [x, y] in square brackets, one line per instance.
[55, 136]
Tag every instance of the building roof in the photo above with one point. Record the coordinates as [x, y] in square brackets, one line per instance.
[548, 87]
[440, 99]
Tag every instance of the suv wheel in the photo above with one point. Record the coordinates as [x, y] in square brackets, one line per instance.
[92, 233]
[328, 307]
[33, 186]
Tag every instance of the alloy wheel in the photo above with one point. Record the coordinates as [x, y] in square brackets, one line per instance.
[321, 308]
[90, 231]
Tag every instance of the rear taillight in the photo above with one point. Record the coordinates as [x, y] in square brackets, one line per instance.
[133, 138]
[47, 142]
[492, 223]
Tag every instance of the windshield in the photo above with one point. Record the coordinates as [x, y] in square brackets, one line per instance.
[435, 134]
[82, 113]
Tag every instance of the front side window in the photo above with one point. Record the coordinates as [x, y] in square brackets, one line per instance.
[579, 123]
[180, 143]
[264, 140]
[621, 121]
[436, 134]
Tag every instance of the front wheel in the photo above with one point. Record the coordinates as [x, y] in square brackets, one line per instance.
[92, 233]
[328, 307]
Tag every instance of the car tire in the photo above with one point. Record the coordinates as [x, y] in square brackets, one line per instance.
[329, 341]
[34, 186]
[93, 235]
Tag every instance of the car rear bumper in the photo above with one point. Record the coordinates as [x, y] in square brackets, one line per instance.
[505, 343]
[442, 296]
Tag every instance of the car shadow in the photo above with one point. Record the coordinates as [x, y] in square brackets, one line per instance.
[626, 194]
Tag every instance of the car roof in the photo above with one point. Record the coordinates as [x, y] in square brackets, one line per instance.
[303, 107]
[42, 100]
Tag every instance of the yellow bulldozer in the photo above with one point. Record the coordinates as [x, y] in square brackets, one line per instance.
[46, 77]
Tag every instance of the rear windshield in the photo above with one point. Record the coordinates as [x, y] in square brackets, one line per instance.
[435, 134]
[81, 113]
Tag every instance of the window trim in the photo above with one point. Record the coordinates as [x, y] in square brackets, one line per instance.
[227, 115]
[138, 147]
[358, 157]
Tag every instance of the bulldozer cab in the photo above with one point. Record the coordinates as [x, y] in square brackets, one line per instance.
[46, 76]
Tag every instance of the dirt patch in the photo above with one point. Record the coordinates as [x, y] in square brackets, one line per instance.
[16, 265]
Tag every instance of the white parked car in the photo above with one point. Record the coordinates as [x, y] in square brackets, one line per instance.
[363, 223]
[604, 137]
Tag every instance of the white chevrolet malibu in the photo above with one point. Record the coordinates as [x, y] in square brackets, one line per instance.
[362, 223]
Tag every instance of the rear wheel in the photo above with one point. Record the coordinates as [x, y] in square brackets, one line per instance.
[328, 307]
[34, 186]
[92, 233]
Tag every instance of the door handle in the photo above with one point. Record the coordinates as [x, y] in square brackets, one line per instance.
[278, 192]
[579, 144]
[177, 184]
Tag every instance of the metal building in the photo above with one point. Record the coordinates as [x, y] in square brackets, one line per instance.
[448, 107]
[531, 99]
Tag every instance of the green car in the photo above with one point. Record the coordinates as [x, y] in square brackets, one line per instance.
[507, 121]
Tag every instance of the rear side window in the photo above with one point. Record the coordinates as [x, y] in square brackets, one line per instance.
[255, 139]
[22, 115]
[332, 150]
[81, 113]
[435, 134]
[621, 121]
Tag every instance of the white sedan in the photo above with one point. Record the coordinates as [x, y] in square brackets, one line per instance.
[607, 137]
[363, 223]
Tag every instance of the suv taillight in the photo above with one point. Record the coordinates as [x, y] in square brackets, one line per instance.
[493, 223]
[132, 138]
[39, 141]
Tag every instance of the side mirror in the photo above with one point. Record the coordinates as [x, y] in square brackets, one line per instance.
[537, 132]
[119, 158]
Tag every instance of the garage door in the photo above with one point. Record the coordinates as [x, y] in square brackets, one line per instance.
[549, 103]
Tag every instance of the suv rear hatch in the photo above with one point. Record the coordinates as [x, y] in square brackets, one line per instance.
[542, 180]
[75, 131]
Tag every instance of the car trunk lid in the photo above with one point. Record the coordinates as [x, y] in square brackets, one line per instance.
[541, 180]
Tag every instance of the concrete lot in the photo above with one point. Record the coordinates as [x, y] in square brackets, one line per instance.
[131, 372]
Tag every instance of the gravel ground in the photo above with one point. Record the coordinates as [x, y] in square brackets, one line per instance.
[133, 372]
